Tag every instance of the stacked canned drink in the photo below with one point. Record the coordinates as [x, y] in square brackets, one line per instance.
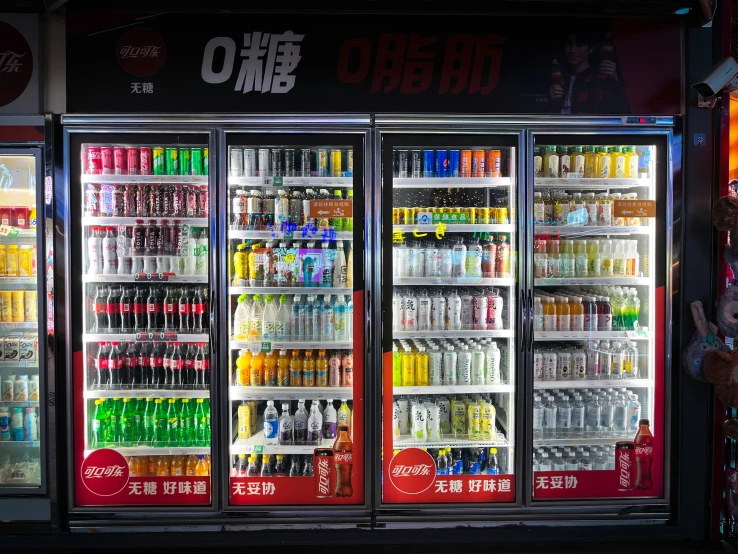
[605, 359]
[98, 159]
[290, 162]
[418, 164]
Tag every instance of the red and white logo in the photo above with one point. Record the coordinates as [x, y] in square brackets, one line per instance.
[343, 457]
[141, 51]
[16, 63]
[323, 471]
[105, 472]
[412, 471]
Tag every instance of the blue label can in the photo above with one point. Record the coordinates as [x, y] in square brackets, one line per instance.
[428, 167]
[454, 158]
[441, 163]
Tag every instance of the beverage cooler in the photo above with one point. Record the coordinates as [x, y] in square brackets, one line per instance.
[524, 316]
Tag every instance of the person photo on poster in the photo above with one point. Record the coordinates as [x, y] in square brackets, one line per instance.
[586, 77]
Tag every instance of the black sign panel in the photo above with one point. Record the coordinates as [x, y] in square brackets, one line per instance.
[251, 63]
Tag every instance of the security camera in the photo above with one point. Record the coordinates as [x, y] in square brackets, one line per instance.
[723, 77]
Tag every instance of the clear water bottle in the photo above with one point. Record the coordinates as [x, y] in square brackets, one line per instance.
[594, 415]
[620, 417]
[572, 461]
[577, 417]
[563, 417]
[559, 464]
[549, 418]
[634, 413]
[545, 463]
[537, 418]
[585, 464]
[607, 415]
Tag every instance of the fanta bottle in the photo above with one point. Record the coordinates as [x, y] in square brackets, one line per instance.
[243, 367]
[308, 369]
[296, 369]
[152, 465]
[177, 468]
[257, 371]
[270, 369]
[283, 369]
[190, 465]
[163, 467]
[321, 370]
[201, 469]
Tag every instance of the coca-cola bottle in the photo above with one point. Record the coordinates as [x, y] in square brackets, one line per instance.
[114, 365]
[102, 378]
[176, 366]
[125, 369]
[126, 311]
[201, 378]
[343, 458]
[147, 370]
[139, 311]
[101, 317]
[188, 377]
[157, 365]
[112, 310]
[170, 310]
[198, 316]
[184, 309]
[134, 369]
[153, 308]
[644, 455]
[166, 364]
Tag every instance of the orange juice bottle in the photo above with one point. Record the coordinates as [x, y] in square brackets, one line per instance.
[577, 313]
[207, 461]
[133, 470]
[177, 469]
[563, 314]
[270, 369]
[190, 465]
[554, 259]
[308, 370]
[321, 370]
[163, 467]
[257, 371]
[296, 369]
[152, 465]
[549, 314]
[283, 369]
[201, 469]
[243, 367]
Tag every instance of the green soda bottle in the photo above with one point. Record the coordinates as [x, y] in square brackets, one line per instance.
[127, 423]
[160, 424]
[172, 423]
[186, 424]
[148, 424]
[99, 424]
[201, 421]
[116, 414]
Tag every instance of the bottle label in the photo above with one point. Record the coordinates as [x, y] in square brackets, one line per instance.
[139, 308]
[125, 308]
[168, 308]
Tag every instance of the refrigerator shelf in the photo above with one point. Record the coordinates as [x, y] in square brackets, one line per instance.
[452, 389]
[594, 230]
[590, 183]
[191, 221]
[157, 451]
[343, 182]
[581, 441]
[19, 325]
[450, 182]
[159, 336]
[131, 278]
[275, 234]
[406, 441]
[289, 290]
[593, 384]
[18, 281]
[500, 333]
[290, 393]
[457, 228]
[540, 336]
[287, 345]
[19, 404]
[144, 179]
[19, 444]
[22, 233]
[617, 281]
[255, 445]
[455, 281]
[146, 393]
[17, 364]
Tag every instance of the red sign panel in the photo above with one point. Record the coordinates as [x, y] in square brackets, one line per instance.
[558, 485]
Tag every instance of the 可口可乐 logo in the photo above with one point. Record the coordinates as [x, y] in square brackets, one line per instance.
[141, 51]
[16, 64]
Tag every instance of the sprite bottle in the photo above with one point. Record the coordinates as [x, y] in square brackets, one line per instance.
[186, 424]
[160, 424]
[172, 423]
[99, 424]
[148, 424]
[127, 422]
[202, 421]
[116, 414]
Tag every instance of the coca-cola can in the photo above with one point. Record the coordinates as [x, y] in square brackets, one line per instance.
[625, 465]
[144, 167]
[106, 160]
[130, 206]
[93, 161]
[120, 161]
[324, 474]
[191, 201]
[133, 155]
[92, 200]
[202, 201]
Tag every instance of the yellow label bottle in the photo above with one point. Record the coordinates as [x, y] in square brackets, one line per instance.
[283, 369]
[593, 257]
[421, 367]
[604, 162]
[257, 371]
[270, 369]
[396, 367]
[408, 368]
[243, 366]
[590, 162]
[618, 168]
[551, 162]
[631, 162]
[308, 369]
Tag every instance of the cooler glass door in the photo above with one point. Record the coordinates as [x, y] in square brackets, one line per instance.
[140, 317]
[22, 416]
[295, 318]
[450, 318]
[600, 307]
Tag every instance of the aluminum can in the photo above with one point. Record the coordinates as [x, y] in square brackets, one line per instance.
[202, 201]
[249, 162]
[158, 163]
[133, 156]
[336, 163]
[396, 216]
[93, 161]
[305, 165]
[263, 162]
[428, 165]
[493, 163]
[402, 164]
[442, 165]
[323, 471]
[349, 163]
[289, 162]
[171, 161]
[478, 163]
[321, 162]
[106, 160]
[276, 162]
[205, 161]
[465, 166]
[92, 201]
[185, 161]
[454, 163]
[196, 155]
[145, 161]
[417, 164]
[120, 165]
[625, 464]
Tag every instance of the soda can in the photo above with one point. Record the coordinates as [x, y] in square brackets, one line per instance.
[249, 162]
[120, 166]
[493, 163]
[137, 264]
[171, 161]
[409, 216]
[502, 216]
[428, 164]
[335, 163]
[289, 162]
[145, 161]
[624, 464]
[106, 160]
[478, 163]
[323, 471]
[132, 159]
[158, 163]
[465, 167]
[402, 164]
[8, 390]
[396, 216]
[350, 163]
[537, 365]
[276, 162]
[305, 159]
[92, 202]
[321, 161]
[417, 164]
[454, 163]
[205, 161]
[93, 161]
[203, 201]
[185, 161]
[441, 167]
[263, 162]
[196, 155]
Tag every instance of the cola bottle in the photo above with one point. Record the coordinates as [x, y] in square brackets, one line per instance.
[126, 311]
[644, 456]
[124, 371]
[112, 310]
[102, 379]
[148, 376]
[202, 380]
[101, 317]
[169, 310]
[184, 309]
[157, 365]
[197, 310]
[166, 364]
[343, 458]
[114, 365]
[176, 366]
[153, 307]
[134, 369]
[139, 311]
[188, 377]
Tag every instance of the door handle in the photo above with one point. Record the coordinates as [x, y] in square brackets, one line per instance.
[368, 315]
[531, 320]
[523, 326]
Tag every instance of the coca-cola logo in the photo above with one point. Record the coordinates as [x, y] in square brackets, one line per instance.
[343, 457]
[16, 63]
[105, 472]
[646, 450]
[323, 471]
[141, 51]
[412, 471]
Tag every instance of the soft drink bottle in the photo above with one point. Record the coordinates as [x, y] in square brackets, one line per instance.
[295, 467]
[330, 421]
[344, 462]
[271, 423]
[186, 424]
[202, 421]
[177, 467]
[127, 422]
[315, 425]
[644, 456]
[285, 425]
[241, 466]
[99, 424]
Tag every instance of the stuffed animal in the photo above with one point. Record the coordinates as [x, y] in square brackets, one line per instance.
[705, 340]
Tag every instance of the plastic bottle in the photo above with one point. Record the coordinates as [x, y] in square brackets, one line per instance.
[256, 318]
[577, 417]
[617, 363]
[563, 417]
[271, 424]
[314, 425]
[537, 314]
[110, 253]
[632, 259]
[340, 268]
[549, 418]
[423, 311]
[630, 365]
[422, 362]
[300, 423]
[577, 313]
[343, 416]
[593, 417]
[619, 264]
[604, 314]
[463, 366]
[590, 162]
[256, 371]
[567, 259]
[340, 315]
[459, 259]
[330, 421]
[593, 258]
[634, 413]
[606, 259]
[563, 314]
[537, 418]
[449, 366]
[581, 261]
[453, 311]
[474, 259]
[604, 162]
[478, 360]
[492, 364]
